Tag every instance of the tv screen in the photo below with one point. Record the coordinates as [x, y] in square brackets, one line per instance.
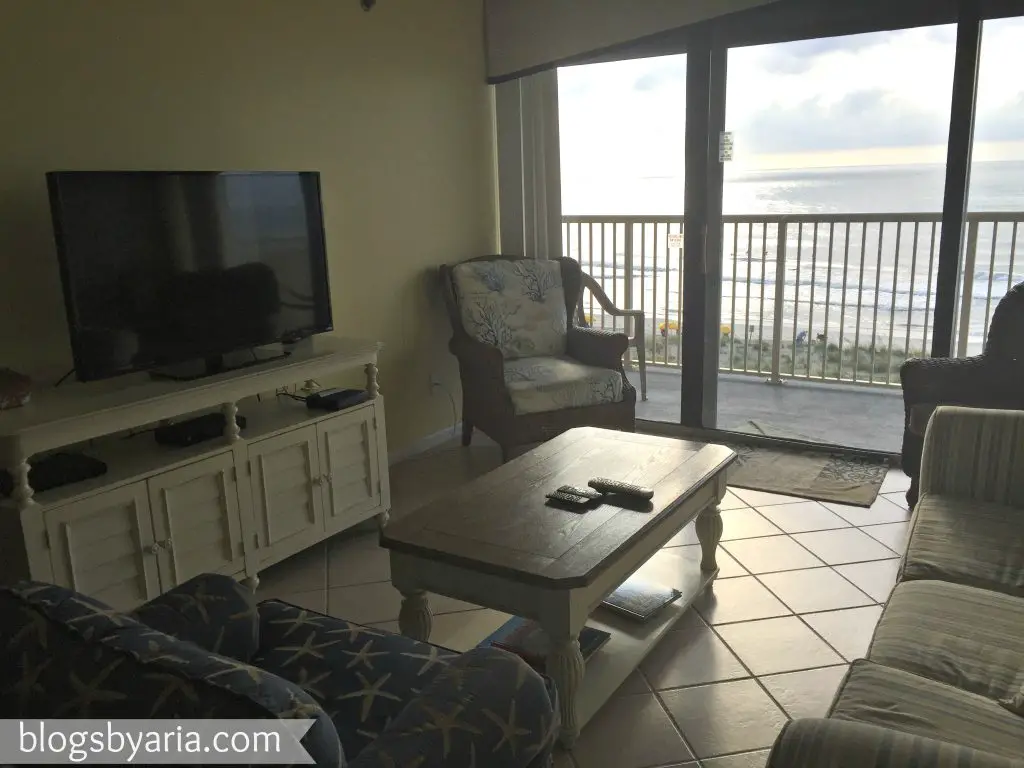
[161, 268]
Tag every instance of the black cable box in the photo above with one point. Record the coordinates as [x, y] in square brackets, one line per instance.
[192, 431]
[336, 399]
[55, 470]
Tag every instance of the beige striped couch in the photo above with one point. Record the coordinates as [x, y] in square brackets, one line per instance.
[947, 660]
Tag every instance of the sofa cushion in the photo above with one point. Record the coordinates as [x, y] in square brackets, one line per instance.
[968, 542]
[69, 656]
[211, 610]
[913, 704]
[517, 306]
[362, 677]
[538, 384]
[962, 636]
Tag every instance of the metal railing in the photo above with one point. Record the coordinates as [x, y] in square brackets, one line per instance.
[835, 297]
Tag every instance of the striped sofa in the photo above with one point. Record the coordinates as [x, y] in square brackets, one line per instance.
[943, 681]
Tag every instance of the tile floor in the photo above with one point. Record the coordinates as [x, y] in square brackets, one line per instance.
[799, 595]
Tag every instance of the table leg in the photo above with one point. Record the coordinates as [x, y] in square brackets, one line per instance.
[709, 533]
[564, 666]
[414, 617]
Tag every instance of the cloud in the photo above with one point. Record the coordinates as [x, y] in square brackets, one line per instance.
[1003, 123]
[799, 57]
[661, 74]
[870, 118]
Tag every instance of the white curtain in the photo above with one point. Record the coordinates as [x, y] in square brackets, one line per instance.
[529, 179]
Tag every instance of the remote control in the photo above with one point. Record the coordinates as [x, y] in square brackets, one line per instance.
[569, 498]
[586, 493]
[604, 485]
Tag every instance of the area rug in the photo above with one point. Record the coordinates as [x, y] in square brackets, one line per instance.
[810, 474]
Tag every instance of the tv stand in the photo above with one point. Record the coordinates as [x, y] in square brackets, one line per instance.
[211, 366]
[235, 504]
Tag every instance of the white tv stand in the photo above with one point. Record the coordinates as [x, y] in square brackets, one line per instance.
[161, 515]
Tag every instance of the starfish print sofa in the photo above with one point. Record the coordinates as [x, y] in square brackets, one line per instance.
[206, 649]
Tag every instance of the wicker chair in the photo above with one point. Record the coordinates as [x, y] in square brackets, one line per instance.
[633, 316]
[993, 379]
[501, 394]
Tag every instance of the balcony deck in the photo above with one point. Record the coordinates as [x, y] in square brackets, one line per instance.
[854, 416]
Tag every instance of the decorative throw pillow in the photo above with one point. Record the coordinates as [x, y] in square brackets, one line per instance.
[517, 306]
[1016, 703]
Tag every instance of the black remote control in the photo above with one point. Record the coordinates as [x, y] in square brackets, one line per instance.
[604, 485]
[569, 499]
[586, 493]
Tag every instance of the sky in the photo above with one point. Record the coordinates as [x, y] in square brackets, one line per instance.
[874, 99]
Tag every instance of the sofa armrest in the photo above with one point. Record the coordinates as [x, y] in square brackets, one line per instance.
[597, 347]
[815, 743]
[948, 380]
[976, 454]
[211, 610]
[487, 707]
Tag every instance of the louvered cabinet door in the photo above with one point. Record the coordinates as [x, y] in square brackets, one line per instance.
[196, 521]
[103, 546]
[348, 462]
[286, 494]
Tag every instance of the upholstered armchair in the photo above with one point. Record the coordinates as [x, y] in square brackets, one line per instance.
[528, 371]
[993, 379]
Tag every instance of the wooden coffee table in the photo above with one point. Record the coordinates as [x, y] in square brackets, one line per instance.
[496, 542]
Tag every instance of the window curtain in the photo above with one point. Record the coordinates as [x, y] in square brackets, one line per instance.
[529, 179]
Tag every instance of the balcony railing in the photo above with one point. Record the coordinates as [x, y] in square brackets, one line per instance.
[841, 297]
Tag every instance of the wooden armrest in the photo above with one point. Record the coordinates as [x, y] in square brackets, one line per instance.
[606, 303]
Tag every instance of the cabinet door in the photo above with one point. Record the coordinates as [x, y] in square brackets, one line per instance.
[287, 502]
[102, 546]
[348, 461]
[196, 522]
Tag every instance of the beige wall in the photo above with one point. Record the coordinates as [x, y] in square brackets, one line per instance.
[390, 106]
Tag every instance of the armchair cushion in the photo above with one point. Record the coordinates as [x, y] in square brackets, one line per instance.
[538, 384]
[518, 306]
[967, 542]
[891, 698]
[212, 610]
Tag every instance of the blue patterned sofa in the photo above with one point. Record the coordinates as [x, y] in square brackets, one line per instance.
[207, 650]
[943, 681]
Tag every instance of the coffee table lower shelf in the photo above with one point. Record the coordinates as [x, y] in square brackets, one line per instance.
[630, 642]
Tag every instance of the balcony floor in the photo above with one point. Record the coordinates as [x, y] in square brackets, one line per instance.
[858, 417]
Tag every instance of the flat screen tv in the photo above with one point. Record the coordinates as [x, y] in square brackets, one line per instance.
[187, 273]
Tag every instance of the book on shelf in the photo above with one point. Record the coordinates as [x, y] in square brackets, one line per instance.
[527, 640]
[640, 599]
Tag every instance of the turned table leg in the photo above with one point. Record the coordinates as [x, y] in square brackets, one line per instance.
[22, 492]
[709, 533]
[414, 617]
[252, 582]
[372, 385]
[564, 665]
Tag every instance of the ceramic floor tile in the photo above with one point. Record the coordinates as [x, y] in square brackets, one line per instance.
[302, 572]
[377, 602]
[357, 559]
[893, 535]
[846, 545]
[817, 589]
[669, 566]
[630, 732]
[805, 694]
[802, 517]
[882, 511]
[633, 684]
[732, 501]
[725, 717]
[742, 599]
[692, 654]
[899, 499]
[388, 626]
[876, 578]
[762, 498]
[313, 600]
[743, 760]
[895, 482]
[686, 536]
[771, 553]
[777, 645]
[745, 523]
[849, 631]
[463, 630]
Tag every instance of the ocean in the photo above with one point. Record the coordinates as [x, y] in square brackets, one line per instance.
[850, 280]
